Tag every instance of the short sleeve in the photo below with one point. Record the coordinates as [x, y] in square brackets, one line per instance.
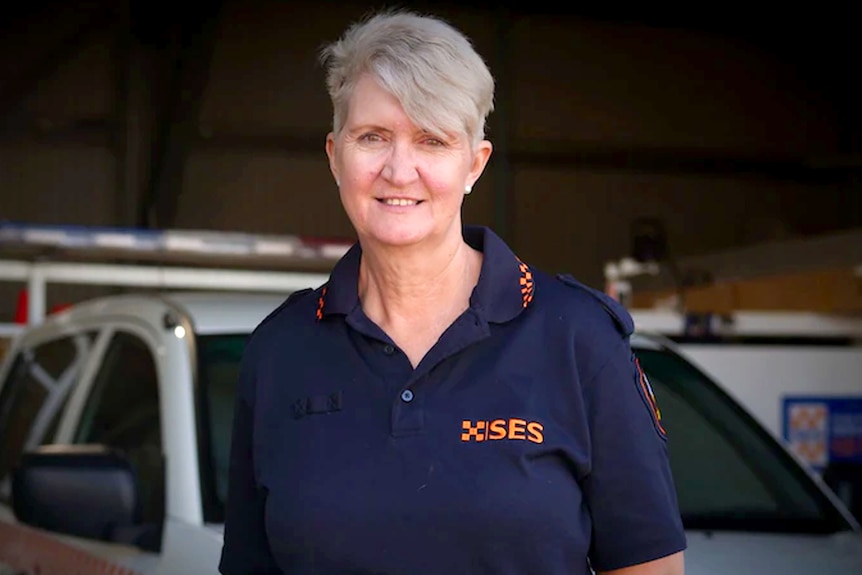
[629, 489]
[246, 550]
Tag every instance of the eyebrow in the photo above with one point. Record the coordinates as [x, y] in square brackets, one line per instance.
[366, 127]
[369, 127]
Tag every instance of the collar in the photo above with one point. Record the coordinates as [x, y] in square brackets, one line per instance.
[505, 286]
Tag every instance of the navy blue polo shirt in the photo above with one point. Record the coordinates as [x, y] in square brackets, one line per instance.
[524, 442]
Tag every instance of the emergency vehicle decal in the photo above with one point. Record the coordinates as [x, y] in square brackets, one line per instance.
[30, 552]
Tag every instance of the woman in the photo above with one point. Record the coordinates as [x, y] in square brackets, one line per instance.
[439, 406]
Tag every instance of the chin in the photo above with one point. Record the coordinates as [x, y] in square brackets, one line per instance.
[397, 236]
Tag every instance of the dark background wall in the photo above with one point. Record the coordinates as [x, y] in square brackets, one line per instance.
[732, 128]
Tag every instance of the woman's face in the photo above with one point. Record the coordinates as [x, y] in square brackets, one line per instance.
[400, 185]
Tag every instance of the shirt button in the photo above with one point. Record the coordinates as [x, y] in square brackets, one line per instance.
[406, 396]
[388, 349]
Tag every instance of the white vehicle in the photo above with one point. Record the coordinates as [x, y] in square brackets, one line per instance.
[115, 420]
[766, 358]
[798, 372]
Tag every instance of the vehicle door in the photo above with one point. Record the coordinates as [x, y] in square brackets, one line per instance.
[730, 473]
[117, 406]
[35, 392]
[120, 408]
[748, 505]
[38, 381]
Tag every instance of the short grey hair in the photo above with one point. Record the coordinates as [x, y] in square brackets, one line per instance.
[442, 83]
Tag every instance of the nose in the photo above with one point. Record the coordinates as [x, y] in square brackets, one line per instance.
[400, 167]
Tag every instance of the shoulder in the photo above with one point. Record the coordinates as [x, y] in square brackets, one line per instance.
[298, 308]
[589, 307]
[600, 326]
[600, 303]
[295, 302]
[271, 331]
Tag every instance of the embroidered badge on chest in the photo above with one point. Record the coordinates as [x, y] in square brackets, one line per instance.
[498, 429]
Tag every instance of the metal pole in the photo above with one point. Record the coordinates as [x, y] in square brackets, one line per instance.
[36, 294]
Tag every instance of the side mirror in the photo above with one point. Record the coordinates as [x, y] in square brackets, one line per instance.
[82, 490]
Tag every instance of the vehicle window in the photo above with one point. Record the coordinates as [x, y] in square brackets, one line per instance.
[729, 472]
[35, 394]
[219, 358]
[122, 412]
[20, 401]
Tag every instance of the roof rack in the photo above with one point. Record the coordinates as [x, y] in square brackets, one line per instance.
[42, 254]
[186, 247]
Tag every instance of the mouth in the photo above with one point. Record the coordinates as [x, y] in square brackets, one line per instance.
[399, 201]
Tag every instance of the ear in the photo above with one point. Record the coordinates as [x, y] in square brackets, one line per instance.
[330, 153]
[481, 155]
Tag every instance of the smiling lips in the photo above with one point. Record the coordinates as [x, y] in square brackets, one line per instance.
[399, 201]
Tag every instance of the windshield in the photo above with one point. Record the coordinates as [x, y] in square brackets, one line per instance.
[730, 474]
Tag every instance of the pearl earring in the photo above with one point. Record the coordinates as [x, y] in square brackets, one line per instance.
[468, 188]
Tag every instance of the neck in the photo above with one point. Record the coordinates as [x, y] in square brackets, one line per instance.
[404, 284]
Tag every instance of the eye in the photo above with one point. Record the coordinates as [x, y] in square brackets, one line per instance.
[432, 141]
[370, 137]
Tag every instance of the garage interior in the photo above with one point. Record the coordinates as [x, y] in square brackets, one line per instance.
[702, 163]
[725, 129]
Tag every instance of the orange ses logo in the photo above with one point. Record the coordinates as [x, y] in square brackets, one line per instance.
[517, 429]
